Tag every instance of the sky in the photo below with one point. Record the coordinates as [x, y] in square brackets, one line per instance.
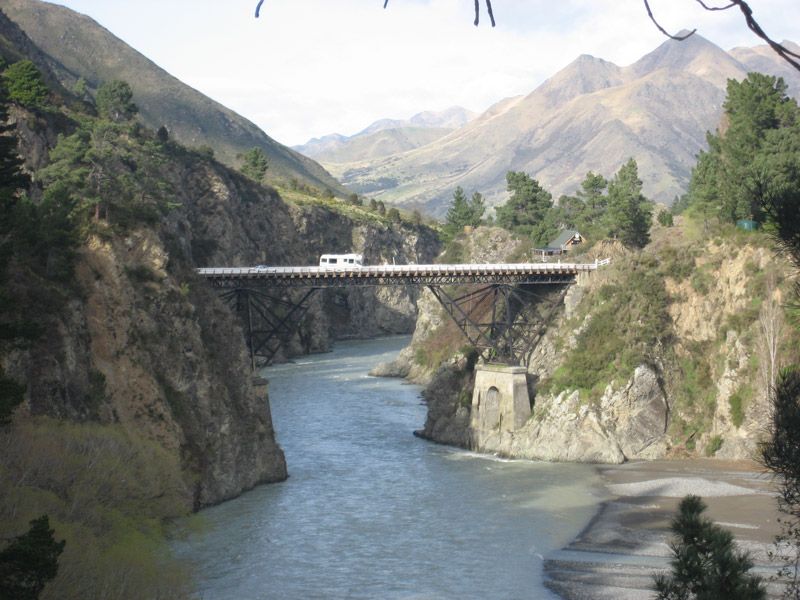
[307, 68]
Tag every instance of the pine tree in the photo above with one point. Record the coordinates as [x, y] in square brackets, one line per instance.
[458, 214]
[528, 205]
[29, 562]
[12, 178]
[751, 155]
[706, 564]
[591, 191]
[629, 212]
[115, 101]
[255, 166]
[25, 84]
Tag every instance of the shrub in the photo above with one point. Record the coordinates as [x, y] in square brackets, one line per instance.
[737, 403]
[714, 444]
[665, 218]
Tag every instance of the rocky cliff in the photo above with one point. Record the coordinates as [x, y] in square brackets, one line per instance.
[664, 353]
[169, 356]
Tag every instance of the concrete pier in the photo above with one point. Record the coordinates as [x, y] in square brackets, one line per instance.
[500, 401]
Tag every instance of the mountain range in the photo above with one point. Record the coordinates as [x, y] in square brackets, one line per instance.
[591, 116]
[387, 136]
[75, 46]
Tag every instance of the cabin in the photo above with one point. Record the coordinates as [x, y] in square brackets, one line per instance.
[341, 261]
[561, 245]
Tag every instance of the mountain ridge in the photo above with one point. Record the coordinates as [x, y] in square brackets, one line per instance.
[85, 49]
[591, 115]
[385, 137]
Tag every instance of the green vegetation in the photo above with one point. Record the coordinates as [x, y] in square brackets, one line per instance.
[754, 167]
[610, 348]
[706, 564]
[629, 212]
[738, 403]
[25, 84]
[108, 494]
[255, 164]
[623, 213]
[29, 561]
[526, 210]
[463, 213]
[665, 218]
[106, 491]
[115, 101]
[714, 444]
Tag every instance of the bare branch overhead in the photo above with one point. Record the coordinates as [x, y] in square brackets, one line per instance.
[789, 56]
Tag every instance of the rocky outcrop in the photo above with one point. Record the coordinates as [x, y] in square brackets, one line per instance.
[628, 423]
[702, 392]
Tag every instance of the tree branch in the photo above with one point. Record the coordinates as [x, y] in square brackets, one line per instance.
[679, 38]
[477, 11]
[791, 57]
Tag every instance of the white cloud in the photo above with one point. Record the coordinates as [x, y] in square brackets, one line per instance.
[311, 67]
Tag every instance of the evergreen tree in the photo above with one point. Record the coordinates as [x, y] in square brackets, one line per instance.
[477, 208]
[115, 101]
[12, 178]
[629, 212]
[528, 205]
[25, 84]
[731, 178]
[255, 165]
[463, 213]
[591, 191]
[29, 562]
[162, 135]
[393, 215]
[706, 564]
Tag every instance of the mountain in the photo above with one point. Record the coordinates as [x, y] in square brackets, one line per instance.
[386, 137]
[84, 49]
[592, 115]
[763, 59]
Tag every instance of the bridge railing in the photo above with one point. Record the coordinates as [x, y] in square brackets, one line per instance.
[401, 270]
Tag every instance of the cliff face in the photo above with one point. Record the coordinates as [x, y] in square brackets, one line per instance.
[138, 340]
[662, 354]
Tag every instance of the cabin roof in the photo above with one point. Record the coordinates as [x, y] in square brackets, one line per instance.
[563, 238]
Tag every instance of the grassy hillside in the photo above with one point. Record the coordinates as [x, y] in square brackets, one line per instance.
[84, 49]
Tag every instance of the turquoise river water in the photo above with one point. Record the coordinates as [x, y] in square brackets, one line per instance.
[370, 511]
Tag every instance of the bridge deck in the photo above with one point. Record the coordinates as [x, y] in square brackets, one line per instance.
[267, 276]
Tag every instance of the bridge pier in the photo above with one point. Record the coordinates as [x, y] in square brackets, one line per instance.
[500, 401]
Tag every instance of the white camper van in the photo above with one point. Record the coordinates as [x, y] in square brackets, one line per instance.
[341, 261]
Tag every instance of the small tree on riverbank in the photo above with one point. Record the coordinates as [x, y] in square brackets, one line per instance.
[706, 564]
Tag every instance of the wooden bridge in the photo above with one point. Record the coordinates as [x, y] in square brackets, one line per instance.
[493, 317]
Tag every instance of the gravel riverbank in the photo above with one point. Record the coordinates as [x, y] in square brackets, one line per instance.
[627, 541]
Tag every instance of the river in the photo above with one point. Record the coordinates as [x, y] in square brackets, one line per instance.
[370, 511]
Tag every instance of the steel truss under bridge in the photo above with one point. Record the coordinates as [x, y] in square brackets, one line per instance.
[500, 319]
[502, 322]
[270, 320]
